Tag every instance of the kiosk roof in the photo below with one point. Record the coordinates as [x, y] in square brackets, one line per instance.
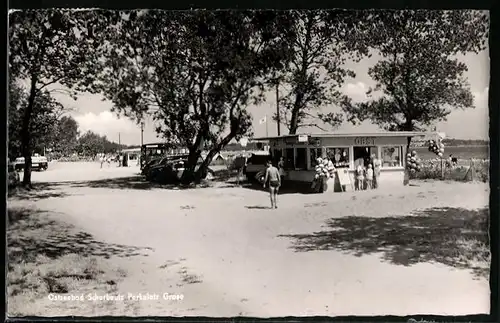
[336, 135]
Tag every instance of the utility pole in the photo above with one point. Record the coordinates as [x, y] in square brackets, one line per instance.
[119, 142]
[142, 133]
[278, 108]
[267, 128]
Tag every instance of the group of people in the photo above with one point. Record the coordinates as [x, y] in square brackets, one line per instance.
[105, 159]
[120, 159]
[368, 174]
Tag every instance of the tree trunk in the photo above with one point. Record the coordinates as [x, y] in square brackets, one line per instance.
[408, 127]
[188, 176]
[294, 121]
[202, 171]
[26, 135]
[299, 96]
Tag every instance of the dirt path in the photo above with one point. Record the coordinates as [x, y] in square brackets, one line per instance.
[228, 256]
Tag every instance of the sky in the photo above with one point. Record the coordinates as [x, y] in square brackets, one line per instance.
[92, 113]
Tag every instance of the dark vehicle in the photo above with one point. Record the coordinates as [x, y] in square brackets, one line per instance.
[256, 164]
[39, 163]
[13, 175]
[172, 171]
[152, 151]
[151, 163]
[157, 163]
[238, 163]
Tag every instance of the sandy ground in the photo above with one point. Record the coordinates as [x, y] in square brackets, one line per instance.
[224, 251]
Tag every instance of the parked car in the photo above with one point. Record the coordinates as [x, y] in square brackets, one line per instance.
[255, 164]
[172, 171]
[151, 171]
[151, 162]
[39, 163]
[157, 163]
[260, 177]
[13, 175]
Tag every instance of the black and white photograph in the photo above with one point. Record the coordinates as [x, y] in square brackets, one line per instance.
[248, 163]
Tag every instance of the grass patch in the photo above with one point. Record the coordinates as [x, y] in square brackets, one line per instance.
[35, 270]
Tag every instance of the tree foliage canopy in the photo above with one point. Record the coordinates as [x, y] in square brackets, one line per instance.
[90, 144]
[419, 79]
[46, 111]
[65, 136]
[49, 47]
[195, 71]
[323, 40]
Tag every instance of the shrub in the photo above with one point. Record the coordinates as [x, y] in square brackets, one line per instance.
[431, 169]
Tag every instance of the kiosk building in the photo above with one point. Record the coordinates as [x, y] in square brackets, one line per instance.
[346, 150]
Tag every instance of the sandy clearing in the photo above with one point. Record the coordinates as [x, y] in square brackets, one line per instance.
[222, 238]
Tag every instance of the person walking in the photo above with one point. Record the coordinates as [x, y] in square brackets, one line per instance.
[274, 178]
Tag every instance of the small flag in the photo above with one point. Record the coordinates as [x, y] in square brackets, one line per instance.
[263, 120]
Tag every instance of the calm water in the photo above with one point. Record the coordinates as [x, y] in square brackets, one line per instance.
[465, 152]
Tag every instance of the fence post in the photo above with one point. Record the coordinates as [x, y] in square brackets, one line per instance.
[442, 169]
[473, 169]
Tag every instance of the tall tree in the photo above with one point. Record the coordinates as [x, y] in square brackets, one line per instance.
[65, 138]
[48, 47]
[197, 71]
[323, 41]
[90, 144]
[419, 79]
[44, 121]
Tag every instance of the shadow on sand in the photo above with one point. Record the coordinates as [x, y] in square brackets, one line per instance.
[55, 189]
[30, 233]
[285, 189]
[455, 237]
[257, 207]
[39, 191]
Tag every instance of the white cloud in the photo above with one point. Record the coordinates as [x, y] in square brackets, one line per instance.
[105, 123]
[356, 91]
[481, 98]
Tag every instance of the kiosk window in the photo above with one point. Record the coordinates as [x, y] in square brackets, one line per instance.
[301, 158]
[276, 155]
[289, 158]
[315, 154]
[391, 156]
[339, 156]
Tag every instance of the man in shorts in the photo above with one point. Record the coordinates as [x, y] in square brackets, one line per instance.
[274, 178]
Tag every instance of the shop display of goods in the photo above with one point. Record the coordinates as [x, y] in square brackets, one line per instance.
[324, 168]
[437, 147]
[413, 162]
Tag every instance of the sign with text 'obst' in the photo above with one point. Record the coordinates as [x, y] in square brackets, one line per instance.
[364, 141]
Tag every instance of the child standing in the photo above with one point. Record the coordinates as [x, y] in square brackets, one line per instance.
[360, 178]
[369, 177]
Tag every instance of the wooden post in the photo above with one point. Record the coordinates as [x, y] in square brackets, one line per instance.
[442, 168]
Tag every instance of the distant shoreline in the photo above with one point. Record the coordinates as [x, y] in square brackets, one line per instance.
[458, 146]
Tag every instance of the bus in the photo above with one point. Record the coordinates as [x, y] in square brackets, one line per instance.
[150, 151]
[158, 150]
